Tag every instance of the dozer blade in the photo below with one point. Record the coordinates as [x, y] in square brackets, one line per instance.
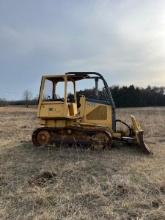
[137, 130]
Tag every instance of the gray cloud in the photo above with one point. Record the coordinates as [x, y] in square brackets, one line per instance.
[122, 39]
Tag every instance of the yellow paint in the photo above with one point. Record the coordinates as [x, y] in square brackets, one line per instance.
[63, 113]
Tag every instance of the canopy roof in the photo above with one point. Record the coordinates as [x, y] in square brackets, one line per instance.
[74, 76]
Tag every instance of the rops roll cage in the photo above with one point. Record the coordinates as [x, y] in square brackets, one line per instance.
[96, 76]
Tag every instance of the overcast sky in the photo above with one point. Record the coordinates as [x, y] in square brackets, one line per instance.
[123, 39]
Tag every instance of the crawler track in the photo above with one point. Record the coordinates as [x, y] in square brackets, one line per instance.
[94, 137]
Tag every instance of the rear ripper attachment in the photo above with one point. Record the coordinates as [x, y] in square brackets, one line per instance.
[71, 115]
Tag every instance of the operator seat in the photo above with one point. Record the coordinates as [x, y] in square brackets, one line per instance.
[72, 109]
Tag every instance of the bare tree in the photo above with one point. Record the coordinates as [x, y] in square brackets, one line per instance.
[3, 102]
[27, 97]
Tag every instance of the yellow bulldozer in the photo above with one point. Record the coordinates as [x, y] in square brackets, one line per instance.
[84, 117]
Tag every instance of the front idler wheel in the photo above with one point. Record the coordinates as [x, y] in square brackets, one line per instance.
[43, 138]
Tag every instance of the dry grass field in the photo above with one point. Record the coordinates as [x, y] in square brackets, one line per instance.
[73, 183]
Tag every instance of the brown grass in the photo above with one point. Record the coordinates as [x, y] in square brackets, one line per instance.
[72, 183]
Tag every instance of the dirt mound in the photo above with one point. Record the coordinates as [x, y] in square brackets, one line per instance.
[42, 179]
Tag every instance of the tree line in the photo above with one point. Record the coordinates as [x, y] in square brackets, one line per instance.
[27, 100]
[138, 97]
[131, 96]
[125, 96]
